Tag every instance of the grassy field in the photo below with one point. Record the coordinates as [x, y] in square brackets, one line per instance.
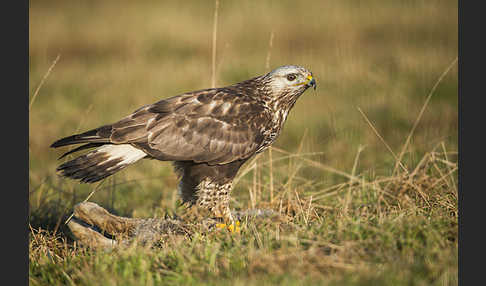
[350, 214]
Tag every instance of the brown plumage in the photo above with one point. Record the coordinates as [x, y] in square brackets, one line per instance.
[208, 134]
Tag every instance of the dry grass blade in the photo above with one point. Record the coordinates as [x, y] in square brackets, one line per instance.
[270, 159]
[320, 165]
[86, 199]
[407, 142]
[381, 138]
[215, 35]
[351, 182]
[270, 156]
[356, 159]
[446, 162]
[301, 208]
[269, 54]
[443, 177]
[250, 165]
[43, 79]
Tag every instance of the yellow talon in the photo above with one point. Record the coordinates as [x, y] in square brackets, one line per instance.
[221, 225]
[233, 228]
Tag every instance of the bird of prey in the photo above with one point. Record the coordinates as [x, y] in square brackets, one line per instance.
[208, 134]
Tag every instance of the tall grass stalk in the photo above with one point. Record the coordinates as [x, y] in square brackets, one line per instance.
[215, 37]
[43, 79]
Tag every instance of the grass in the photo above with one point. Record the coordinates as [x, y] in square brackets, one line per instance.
[351, 214]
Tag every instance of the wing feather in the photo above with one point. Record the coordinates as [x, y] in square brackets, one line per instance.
[207, 126]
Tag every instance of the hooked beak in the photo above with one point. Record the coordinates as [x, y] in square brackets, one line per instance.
[311, 82]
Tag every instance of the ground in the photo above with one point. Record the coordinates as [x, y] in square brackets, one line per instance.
[349, 214]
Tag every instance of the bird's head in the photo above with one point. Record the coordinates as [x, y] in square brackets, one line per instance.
[287, 83]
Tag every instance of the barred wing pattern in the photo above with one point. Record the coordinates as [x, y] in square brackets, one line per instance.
[205, 126]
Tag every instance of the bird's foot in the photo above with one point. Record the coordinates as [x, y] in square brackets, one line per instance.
[233, 227]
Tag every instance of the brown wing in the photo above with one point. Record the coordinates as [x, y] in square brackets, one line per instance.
[216, 126]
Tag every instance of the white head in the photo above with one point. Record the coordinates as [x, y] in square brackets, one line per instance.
[290, 80]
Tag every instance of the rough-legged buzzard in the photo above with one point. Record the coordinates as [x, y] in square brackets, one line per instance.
[208, 134]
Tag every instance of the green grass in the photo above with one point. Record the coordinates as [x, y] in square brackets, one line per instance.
[347, 218]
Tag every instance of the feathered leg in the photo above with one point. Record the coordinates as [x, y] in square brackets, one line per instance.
[208, 187]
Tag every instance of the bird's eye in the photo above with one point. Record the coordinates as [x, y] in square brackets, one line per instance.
[291, 77]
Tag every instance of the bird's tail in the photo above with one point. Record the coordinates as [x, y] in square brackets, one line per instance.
[101, 162]
[98, 135]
